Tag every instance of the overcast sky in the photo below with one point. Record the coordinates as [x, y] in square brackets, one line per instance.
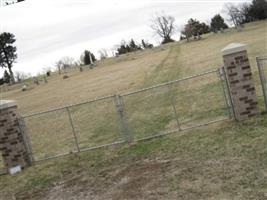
[47, 30]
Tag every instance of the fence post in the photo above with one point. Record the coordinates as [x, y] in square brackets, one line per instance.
[12, 145]
[263, 80]
[240, 82]
[122, 118]
[73, 130]
[174, 108]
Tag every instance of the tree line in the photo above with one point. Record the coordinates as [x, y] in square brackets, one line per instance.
[86, 58]
[237, 15]
[162, 25]
[246, 12]
[132, 46]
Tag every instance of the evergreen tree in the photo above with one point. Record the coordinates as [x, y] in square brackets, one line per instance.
[87, 59]
[8, 53]
[258, 9]
[194, 28]
[133, 46]
[122, 49]
[217, 23]
[203, 28]
[92, 56]
[128, 48]
[2, 81]
[144, 44]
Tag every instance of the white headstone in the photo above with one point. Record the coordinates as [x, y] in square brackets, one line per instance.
[24, 87]
[15, 170]
[233, 48]
[7, 104]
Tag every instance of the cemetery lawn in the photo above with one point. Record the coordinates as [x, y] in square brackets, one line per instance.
[227, 160]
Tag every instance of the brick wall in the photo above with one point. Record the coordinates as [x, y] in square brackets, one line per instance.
[11, 141]
[241, 84]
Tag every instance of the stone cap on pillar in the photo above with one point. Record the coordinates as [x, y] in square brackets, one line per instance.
[4, 104]
[233, 48]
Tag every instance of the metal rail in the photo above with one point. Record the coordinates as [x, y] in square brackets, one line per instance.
[118, 103]
[114, 95]
[262, 77]
[222, 78]
[168, 83]
[125, 142]
[68, 106]
[81, 150]
[229, 94]
[180, 130]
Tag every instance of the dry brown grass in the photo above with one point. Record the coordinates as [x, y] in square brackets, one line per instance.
[107, 78]
[139, 69]
[222, 161]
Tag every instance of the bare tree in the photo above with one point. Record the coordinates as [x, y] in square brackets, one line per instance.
[77, 63]
[64, 63]
[187, 32]
[103, 54]
[245, 12]
[59, 65]
[163, 26]
[234, 14]
[67, 62]
[20, 76]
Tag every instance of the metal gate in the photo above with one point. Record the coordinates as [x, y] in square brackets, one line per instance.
[177, 105]
[151, 112]
[262, 67]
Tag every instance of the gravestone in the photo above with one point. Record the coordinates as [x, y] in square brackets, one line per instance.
[45, 79]
[12, 142]
[35, 81]
[239, 78]
[24, 88]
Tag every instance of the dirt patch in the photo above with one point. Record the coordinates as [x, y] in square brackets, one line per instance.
[184, 178]
[142, 180]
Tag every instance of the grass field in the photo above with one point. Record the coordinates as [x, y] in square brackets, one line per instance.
[222, 161]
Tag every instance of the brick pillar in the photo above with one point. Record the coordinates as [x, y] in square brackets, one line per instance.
[239, 77]
[12, 144]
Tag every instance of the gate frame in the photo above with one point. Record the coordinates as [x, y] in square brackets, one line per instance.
[262, 77]
[122, 121]
[221, 77]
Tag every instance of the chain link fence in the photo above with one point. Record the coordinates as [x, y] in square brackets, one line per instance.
[151, 112]
[176, 106]
[262, 68]
[73, 128]
[144, 114]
